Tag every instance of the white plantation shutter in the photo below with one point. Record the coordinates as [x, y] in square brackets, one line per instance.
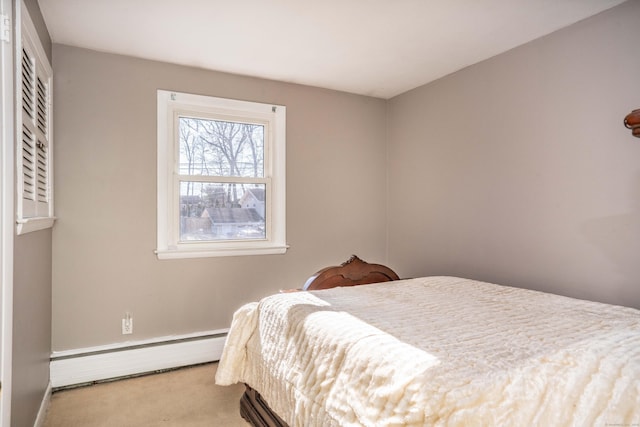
[33, 83]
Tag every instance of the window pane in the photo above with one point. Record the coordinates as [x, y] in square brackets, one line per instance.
[220, 148]
[221, 211]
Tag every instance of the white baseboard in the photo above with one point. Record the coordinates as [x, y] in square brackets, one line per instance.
[87, 365]
[44, 406]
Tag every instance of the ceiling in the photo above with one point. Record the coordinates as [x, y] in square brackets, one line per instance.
[379, 48]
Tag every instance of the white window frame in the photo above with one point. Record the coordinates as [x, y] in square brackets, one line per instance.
[170, 106]
[33, 212]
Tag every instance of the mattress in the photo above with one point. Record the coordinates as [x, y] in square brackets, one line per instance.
[437, 351]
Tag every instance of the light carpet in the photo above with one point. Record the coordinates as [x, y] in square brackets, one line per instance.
[185, 397]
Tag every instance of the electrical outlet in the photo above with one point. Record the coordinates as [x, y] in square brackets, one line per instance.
[127, 324]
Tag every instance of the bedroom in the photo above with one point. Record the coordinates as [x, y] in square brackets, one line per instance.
[516, 170]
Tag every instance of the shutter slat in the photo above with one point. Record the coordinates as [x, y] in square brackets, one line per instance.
[28, 163]
[28, 84]
[41, 102]
[42, 165]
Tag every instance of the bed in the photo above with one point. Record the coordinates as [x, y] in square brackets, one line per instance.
[432, 351]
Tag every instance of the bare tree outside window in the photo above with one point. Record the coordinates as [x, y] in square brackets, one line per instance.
[221, 210]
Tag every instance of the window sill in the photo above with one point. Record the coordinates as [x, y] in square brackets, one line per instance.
[27, 225]
[221, 252]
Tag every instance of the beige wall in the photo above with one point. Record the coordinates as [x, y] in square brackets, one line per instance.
[31, 302]
[31, 325]
[518, 170]
[105, 184]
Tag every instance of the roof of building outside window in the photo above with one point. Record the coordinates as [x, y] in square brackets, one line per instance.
[233, 215]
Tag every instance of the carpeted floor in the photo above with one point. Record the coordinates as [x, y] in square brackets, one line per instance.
[186, 397]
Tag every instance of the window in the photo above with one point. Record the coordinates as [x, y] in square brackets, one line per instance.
[33, 129]
[221, 177]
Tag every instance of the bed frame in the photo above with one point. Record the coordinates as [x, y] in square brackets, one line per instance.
[352, 272]
[256, 412]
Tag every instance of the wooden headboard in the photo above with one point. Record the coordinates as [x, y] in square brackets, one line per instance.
[352, 272]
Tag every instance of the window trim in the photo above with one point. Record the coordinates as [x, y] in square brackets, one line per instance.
[168, 245]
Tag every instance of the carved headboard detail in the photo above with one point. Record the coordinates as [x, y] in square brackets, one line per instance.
[352, 272]
[632, 121]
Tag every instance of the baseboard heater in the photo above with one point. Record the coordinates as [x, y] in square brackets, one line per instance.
[89, 365]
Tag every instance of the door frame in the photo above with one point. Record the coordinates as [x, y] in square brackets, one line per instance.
[7, 215]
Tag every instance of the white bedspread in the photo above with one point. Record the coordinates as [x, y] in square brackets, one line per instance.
[437, 351]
